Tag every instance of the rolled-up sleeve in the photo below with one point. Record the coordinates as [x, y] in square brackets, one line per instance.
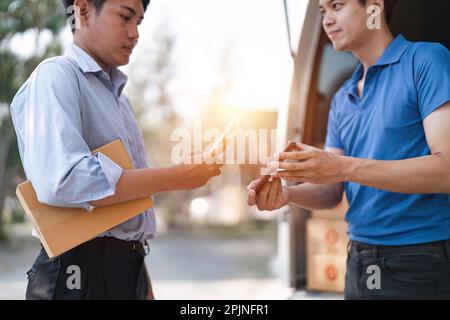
[55, 156]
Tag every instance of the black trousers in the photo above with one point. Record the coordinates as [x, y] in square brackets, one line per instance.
[103, 268]
[402, 273]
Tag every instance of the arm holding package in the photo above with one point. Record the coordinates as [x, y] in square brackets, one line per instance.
[56, 158]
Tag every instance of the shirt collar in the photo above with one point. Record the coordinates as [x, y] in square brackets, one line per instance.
[391, 55]
[394, 51]
[87, 64]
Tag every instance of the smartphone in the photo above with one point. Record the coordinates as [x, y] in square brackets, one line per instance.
[263, 179]
[213, 150]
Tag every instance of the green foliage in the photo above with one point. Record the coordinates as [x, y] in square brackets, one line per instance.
[18, 17]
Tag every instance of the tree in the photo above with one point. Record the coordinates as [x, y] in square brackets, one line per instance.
[18, 17]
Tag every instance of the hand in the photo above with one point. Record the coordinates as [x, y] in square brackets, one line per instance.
[272, 195]
[312, 165]
[192, 176]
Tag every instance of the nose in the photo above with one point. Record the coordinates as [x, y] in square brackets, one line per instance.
[133, 33]
[328, 20]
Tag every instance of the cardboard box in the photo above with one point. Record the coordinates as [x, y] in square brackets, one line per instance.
[326, 272]
[61, 229]
[335, 213]
[328, 236]
[326, 247]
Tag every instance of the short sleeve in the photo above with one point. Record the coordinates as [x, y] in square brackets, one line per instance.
[432, 77]
[333, 139]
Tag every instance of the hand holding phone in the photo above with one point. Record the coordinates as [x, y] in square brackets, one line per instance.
[219, 145]
[263, 179]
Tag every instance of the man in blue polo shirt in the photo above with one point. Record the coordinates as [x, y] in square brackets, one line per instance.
[388, 147]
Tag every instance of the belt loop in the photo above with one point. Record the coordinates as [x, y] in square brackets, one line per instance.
[349, 244]
[378, 257]
[146, 248]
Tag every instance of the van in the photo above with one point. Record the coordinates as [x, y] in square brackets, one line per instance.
[319, 71]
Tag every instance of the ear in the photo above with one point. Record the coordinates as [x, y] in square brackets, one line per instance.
[83, 10]
[378, 3]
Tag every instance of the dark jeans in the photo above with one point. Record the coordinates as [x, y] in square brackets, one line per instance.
[401, 272]
[103, 268]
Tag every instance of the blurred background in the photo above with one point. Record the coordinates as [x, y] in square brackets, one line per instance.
[210, 61]
[207, 60]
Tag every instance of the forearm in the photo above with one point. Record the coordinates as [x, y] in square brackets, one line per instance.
[315, 196]
[140, 183]
[424, 175]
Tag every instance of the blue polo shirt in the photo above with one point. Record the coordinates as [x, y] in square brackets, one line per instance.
[409, 81]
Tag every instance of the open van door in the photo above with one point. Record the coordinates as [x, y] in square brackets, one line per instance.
[319, 71]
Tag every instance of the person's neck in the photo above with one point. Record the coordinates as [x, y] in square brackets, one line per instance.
[80, 43]
[372, 48]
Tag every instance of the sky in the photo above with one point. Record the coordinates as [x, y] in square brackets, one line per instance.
[252, 32]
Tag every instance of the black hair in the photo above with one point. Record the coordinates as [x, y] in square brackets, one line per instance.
[388, 7]
[98, 4]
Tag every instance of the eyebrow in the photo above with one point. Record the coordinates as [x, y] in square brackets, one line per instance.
[327, 2]
[132, 11]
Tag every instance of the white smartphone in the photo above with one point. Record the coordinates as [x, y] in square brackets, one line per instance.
[213, 150]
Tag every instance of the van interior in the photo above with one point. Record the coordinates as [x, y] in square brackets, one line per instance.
[417, 20]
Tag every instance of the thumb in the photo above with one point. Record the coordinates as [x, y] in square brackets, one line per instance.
[301, 147]
[251, 197]
[252, 185]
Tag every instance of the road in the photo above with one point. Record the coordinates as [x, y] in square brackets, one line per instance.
[184, 264]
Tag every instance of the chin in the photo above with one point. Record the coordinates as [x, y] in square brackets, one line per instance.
[122, 61]
[340, 46]
[125, 62]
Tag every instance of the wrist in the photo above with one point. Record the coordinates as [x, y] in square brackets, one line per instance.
[168, 179]
[174, 176]
[348, 168]
[287, 194]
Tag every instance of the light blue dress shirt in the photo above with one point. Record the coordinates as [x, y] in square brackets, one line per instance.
[68, 107]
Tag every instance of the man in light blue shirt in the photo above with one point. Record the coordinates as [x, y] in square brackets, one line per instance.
[69, 106]
[388, 148]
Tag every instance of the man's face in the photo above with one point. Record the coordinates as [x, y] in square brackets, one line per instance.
[113, 32]
[345, 23]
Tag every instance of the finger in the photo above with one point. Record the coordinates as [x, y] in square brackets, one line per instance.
[280, 197]
[298, 156]
[290, 166]
[292, 145]
[261, 199]
[273, 192]
[217, 165]
[252, 184]
[303, 147]
[291, 174]
[251, 197]
[214, 166]
[295, 179]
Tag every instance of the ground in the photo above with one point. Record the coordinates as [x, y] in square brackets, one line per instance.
[198, 264]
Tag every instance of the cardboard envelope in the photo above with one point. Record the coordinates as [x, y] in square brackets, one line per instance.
[61, 229]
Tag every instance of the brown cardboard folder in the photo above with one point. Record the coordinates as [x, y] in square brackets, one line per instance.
[61, 229]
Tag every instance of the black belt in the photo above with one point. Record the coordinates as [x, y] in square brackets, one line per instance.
[114, 246]
[443, 246]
